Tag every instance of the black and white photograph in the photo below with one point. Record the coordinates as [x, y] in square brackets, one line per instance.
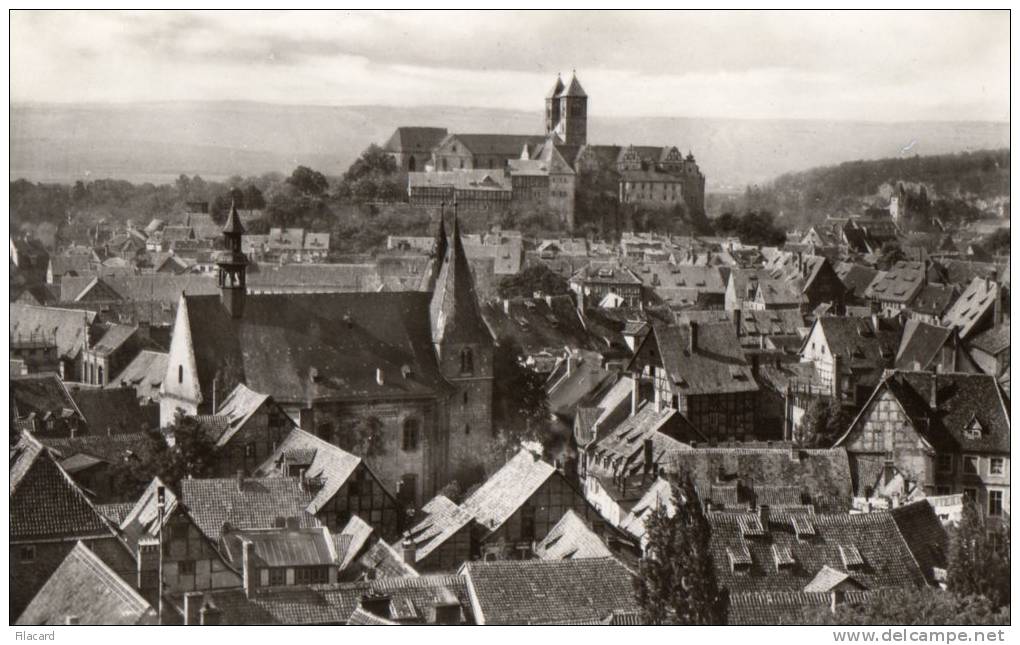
[527, 317]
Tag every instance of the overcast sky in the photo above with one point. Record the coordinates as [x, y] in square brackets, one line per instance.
[861, 66]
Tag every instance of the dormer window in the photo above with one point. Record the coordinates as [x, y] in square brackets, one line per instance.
[851, 557]
[974, 430]
[740, 558]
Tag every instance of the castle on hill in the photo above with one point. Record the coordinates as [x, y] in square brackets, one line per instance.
[493, 172]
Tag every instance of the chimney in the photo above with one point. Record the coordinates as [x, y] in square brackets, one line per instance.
[408, 550]
[248, 572]
[506, 306]
[571, 363]
[239, 479]
[548, 300]
[379, 376]
[755, 360]
[763, 515]
[837, 376]
[692, 339]
[735, 316]
[192, 605]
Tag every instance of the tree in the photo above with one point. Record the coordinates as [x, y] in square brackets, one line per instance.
[891, 253]
[824, 421]
[374, 161]
[979, 557]
[191, 455]
[910, 606]
[676, 581]
[538, 277]
[308, 181]
[997, 242]
[253, 198]
[520, 405]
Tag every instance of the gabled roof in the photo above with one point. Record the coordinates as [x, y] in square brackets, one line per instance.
[65, 326]
[45, 503]
[933, 299]
[856, 277]
[864, 349]
[414, 139]
[900, 284]
[624, 446]
[544, 592]
[46, 396]
[113, 410]
[145, 373]
[330, 466]
[453, 311]
[105, 448]
[443, 519]
[508, 488]
[924, 534]
[992, 341]
[786, 607]
[571, 538]
[256, 503]
[975, 303]
[557, 88]
[509, 145]
[233, 225]
[283, 547]
[716, 366]
[87, 589]
[921, 344]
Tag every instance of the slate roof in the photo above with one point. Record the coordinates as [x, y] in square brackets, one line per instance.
[856, 278]
[414, 139]
[45, 503]
[315, 277]
[925, 536]
[975, 303]
[964, 402]
[84, 587]
[900, 284]
[145, 373]
[542, 592]
[258, 504]
[113, 410]
[335, 603]
[538, 324]
[921, 344]
[43, 395]
[66, 326]
[567, 391]
[508, 488]
[343, 337]
[330, 466]
[571, 538]
[716, 366]
[933, 299]
[837, 538]
[573, 89]
[160, 287]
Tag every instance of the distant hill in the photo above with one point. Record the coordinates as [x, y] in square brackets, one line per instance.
[158, 141]
[955, 186]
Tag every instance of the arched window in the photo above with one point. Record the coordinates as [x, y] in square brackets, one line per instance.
[410, 163]
[180, 373]
[410, 438]
[467, 361]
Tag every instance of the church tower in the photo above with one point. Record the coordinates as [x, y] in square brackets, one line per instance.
[232, 265]
[573, 114]
[464, 349]
[552, 107]
[439, 249]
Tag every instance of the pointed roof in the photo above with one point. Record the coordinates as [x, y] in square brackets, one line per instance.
[438, 254]
[234, 225]
[454, 311]
[574, 89]
[556, 88]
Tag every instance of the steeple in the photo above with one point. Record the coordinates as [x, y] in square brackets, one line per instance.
[232, 265]
[552, 106]
[438, 252]
[454, 312]
[572, 125]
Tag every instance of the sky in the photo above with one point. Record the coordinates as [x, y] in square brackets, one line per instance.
[873, 66]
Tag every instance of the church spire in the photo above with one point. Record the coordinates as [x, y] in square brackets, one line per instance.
[438, 252]
[232, 265]
[454, 311]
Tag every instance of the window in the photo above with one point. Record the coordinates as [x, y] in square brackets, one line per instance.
[945, 463]
[970, 465]
[996, 466]
[277, 577]
[186, 567]
[26, 553]
[249, 450]
[410, 435]
[180, 373]
[311, 575]
[970, 494]
[467, 361]
[995, 502]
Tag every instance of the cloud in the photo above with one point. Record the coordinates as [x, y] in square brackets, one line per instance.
[854, 65]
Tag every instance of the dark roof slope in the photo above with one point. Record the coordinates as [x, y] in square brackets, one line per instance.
[414, 139]
[256, 503]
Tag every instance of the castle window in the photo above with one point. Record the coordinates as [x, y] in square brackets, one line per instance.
[410, 439]
[467, 361]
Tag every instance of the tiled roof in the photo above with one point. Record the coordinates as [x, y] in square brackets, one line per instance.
[508, 488]
[414, 139]
[571, 538]
[443, 519]
[145, 373]
[351, 540]
[539, 324]
[716, 366]
[109, 448]
[783, 607]
[282, 340]
[115, 512]
[887, 562]
[863, 348]
[921, 344]
[72, 265]
[924, 534]
[828, 579]
[283, 547]
[162, 287]
[316, 277]
[362, 618]
[495, 144]
[113, 410]
[568, 390]
[963, 272]
[333, 604]
[329, 468]
[624, 448]
[537, 592]
[44, 395]
[856, 278]
[259, 503]
[66, 326]
[84, 587]
[113, 339]
[992, 341]
[383, 561]
[933, 299]
[975, 303]
[900, 284]
[779, 292]
[606, 272]
[45, 503]
[658, 495]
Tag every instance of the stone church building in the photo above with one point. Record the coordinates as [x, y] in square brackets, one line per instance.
[403, 379]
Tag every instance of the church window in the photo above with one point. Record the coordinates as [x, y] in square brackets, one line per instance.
[410, 439]
[180, 373]
[467, 361]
